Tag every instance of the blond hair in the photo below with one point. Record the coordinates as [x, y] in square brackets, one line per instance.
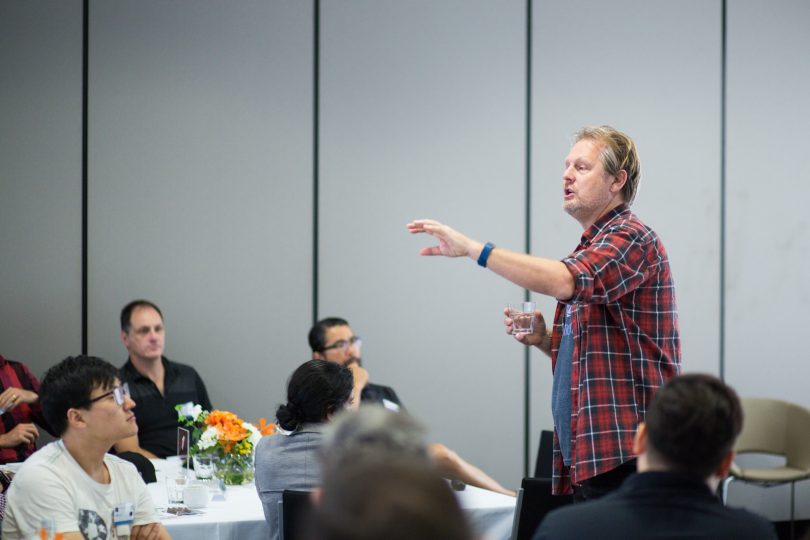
[618, 153]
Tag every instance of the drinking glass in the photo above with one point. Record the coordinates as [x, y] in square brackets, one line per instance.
[203, 467]
[175, 484]
[522, 315]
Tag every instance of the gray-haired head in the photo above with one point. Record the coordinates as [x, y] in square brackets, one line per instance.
[373, 432]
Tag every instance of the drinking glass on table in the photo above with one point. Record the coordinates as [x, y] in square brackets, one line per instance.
[203, 467]
[175, 484]
[522, 315]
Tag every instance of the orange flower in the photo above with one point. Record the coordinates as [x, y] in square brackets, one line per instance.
[265, 428]
[229, 427]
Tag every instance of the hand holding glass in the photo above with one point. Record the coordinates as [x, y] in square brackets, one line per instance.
[522, 315]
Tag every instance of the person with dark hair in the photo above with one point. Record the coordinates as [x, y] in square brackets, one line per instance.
[316, 391]
[685, 448]
[73, 482]
[615, 337]
[157, 383]
[387, 500]
[19, 411]
[333, 339]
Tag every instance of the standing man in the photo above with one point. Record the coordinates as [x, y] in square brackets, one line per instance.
[157, 384]
[615, 336]
[73, 484]
[19, 411]
[332, 339]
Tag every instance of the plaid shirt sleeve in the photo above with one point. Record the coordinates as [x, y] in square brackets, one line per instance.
[16, 374]
[626, 345]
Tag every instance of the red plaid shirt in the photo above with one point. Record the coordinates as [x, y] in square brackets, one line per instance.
[626, 341]
[14, 374]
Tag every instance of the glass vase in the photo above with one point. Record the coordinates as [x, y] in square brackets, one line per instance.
[234, 469]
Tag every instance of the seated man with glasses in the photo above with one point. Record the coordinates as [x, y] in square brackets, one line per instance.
[72, 485]
[332, 339]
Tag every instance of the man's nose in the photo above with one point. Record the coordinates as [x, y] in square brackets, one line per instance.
[568, 174]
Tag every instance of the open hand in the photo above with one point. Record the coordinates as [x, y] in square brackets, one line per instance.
[451, 242]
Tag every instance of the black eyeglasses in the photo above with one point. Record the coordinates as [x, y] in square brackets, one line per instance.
[120, 392]
[344, 344]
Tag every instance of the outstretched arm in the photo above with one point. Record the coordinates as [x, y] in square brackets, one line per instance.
[451, 465]
[544, 276]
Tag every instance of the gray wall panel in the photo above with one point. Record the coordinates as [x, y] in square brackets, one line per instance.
[768, 247]
[635, 70]
[201, 186]
[423, 116]
[40, 180]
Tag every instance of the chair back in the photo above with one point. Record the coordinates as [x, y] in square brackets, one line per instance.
[293, 510]
[797, 447]
[545, 455]
[773, 426]
[764, 426]
[534, 502]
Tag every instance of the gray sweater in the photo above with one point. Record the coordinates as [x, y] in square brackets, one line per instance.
[287, 462]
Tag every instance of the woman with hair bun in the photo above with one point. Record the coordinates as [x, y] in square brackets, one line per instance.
[316, 391]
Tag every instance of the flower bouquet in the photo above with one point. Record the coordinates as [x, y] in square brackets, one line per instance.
[222, 435]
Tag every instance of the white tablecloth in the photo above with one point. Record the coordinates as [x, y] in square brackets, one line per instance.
[240, 517]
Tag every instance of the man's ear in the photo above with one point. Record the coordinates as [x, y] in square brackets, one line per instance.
[640, 440]
[725, 465]
[317, 356]
[124, 338]
[315, 496]
[619, 180]
[75, 418]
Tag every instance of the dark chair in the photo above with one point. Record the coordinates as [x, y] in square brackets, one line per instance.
[533, 503]
[293, 509]
[142, 463]
[545, 455]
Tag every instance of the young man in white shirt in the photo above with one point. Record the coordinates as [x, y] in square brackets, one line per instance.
[72, 484]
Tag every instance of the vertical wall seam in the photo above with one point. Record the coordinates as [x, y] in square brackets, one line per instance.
[528, 231]
[316, 58]
[85, 55]
[723, 149]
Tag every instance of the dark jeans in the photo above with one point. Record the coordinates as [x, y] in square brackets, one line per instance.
[602, 484]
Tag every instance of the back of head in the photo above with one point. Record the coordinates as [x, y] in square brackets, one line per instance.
[692, 424]
[68, 385]
[317, 334]
[373, 433]
[399, 500]
[316, 390]
[618, 153]
[126, 312]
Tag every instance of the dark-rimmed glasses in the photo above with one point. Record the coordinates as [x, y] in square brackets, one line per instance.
[120, 392]
[344, 344]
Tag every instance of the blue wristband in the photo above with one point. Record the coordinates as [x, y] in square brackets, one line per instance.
[482, 259]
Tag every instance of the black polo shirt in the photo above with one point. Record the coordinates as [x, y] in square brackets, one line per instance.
[155, 413]
[375, 393]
